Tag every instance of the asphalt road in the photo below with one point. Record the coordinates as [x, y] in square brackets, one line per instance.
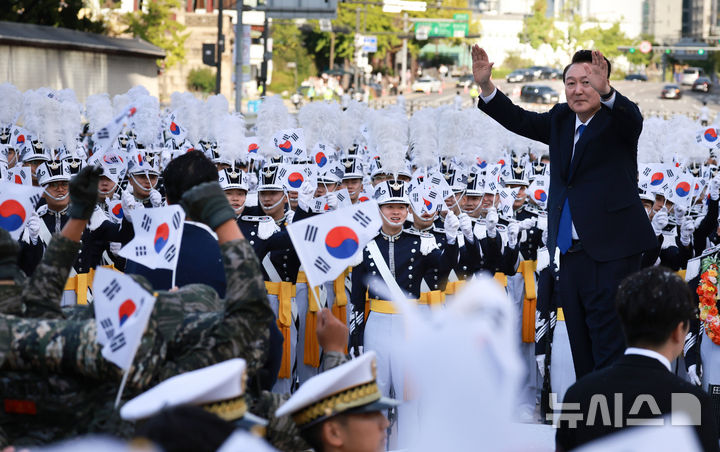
[645, 94]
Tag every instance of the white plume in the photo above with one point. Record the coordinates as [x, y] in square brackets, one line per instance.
[189, 111]
[272, 117]
[70, 119]
[41, 116]
[137, 92]
[11, 104]
[216, 108]
[424, 138]
[98, 111]
[120, 102]
[353, 118]
[146, 120]
[231, 138]
[389, 131]
[320, 122]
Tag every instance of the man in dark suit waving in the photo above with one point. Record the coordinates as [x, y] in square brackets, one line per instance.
[595, 216]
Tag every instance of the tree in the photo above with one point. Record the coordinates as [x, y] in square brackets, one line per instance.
[55, 13]
[539, 29]
[202, 80]
[158, 27]
[288, 47]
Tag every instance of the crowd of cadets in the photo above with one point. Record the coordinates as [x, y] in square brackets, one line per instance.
[430, 248]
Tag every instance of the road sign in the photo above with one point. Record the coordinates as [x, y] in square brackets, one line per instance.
[444, 29]
[645, 47]
[396, 6]
[369, 44]
[305, 9]
[421, 33]
[461, 17]
[325, 25]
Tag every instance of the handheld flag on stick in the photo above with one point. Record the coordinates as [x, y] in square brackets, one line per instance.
[158, 232]
[16, 204]
[327, 244]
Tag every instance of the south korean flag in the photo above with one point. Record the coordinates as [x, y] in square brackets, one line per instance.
[290, 143]
[294, 177]
[122, 310]
[16, 205]
[20, 175]
[708, 138]
[158, 233]
[328, 244]
[320, 204]
[105, 137]
[507, 197]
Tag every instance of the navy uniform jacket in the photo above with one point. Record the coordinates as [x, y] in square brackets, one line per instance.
[438, 272]
[93, 243]
[601, 186]
[401, 253]
[533, 236]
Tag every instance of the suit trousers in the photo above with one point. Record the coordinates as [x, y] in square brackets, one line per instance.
[587, 296]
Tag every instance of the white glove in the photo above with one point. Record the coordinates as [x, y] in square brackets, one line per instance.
[527, 223]
[679, 212]
[332, 200]
[693, 375]
[33, 227]
[466, 226]
[540, 360]
[115, 247]
[513, 231]
[128, 204]
[659, 221]
[714, 188]
[544, 237]
[155, 198]
[451, 226]
[491, 221]
[289, 216]
[305, 196]
[686, 231]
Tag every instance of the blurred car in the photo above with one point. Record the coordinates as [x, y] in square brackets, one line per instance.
[691, 74]
[519, 75]
[536, 71]
[539, 94]
[703, 84]
[549, 73]
[465, 81]
[426, 85]
[636, 77]
[670, 92]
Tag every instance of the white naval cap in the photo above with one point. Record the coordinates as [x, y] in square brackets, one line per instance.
[218, 389]
[350, 387]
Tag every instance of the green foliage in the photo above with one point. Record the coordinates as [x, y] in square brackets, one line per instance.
[539, 29]
[56, 13]
[159, 28]
[513, 61]
[288, 47]
[202, 80]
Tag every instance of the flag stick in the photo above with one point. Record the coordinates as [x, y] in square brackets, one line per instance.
[122, 387]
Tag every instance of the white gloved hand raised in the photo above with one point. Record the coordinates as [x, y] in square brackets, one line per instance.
[714, 188]
[129, 203]
[466, 226]
[527, 223]
[115, 247]
[491, 221]
[155, 198]
[693, 375]
[659, 221]
[305, 196]
[513, 231]
[451, 226]
[686, 231]
[33, 227]
[540, 360]
[332, 200]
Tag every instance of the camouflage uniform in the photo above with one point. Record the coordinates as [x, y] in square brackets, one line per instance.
[178, 339]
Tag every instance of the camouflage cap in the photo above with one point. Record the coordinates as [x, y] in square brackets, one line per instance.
[9, 250]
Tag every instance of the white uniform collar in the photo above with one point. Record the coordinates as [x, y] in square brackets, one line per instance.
[650, 354]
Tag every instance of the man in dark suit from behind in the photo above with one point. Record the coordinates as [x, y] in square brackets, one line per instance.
[595, 216]
[655, 308]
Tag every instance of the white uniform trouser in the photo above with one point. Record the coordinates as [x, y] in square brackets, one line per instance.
[284, 385]
[710, 355]
[304, 371]
[528, 391]
[562, 369]
[384, 334]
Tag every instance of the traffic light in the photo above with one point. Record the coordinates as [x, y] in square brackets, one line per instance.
[668, 51]
[701, 51]
[632, 50]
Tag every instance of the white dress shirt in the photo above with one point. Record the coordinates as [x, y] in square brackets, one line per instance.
[650, 354]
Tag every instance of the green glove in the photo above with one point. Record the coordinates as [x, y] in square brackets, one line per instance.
[208, 204]
[84, 193]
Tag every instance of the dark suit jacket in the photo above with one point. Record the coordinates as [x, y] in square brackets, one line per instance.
[601, 186]
[631, 376]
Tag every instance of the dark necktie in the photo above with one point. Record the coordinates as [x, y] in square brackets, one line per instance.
[564, 237]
